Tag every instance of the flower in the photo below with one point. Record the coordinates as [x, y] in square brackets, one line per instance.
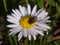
[28, 23]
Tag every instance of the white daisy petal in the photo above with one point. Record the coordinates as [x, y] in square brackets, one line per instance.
[18, 13]
[11, 33]
[19, 36]
[42, 15]
[39, 11]
[9, 17]
[34, 37]
[48, 21]
[29, 36]
[28, 9]
[15, 16]
[15, 12]
[21, 10]
[1, 42]
[32, 32]
[46, 18]
[25, 10]
[44, 26]
[40, 32]
[44, 21]
[45, 14]
[12, 26]
[16, 29]
[24, 32]
[47, 33]
[40, 28]
[13, 21]
[34, 11]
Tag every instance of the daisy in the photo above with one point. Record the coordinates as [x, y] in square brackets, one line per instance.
[28, 23]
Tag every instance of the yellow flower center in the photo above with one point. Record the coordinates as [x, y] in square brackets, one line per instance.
[28, 21]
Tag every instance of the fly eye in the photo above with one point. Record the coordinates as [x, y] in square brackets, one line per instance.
[31, 20]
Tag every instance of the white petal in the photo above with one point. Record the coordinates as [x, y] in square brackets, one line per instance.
[40, 28]
[15, 16]
[44, 21]
[15, 12]
[25, 33]
[34, 37]
[19, 36]
[28, 9]
[47, 33]
[12, 26]
[1, 42]
[40, 32]
[47, 18]
[42, 15]
[32, 32]
[21, 10]
[13, 21]
[48, 21]
[11, 33]
[10, 17]
[44, 26]
[16, 29]
[29, 36]
[34, 10]
[25, 10]
[18, 13]
[39, 11]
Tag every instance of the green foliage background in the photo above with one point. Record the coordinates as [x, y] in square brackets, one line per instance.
[52, 6]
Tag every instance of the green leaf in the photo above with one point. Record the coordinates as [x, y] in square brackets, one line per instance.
[10, 40]
[15, 40]
[40, 3]
[51, 2]
[5, 5]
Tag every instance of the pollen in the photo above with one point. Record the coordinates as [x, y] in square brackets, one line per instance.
[27, 22]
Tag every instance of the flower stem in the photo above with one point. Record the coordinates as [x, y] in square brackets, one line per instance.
[5, 6]
[10, 40]
[40, 3]
[15, 40]
[32, 42]
[45, 39]
[40, 40]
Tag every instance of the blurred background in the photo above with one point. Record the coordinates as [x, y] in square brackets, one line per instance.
[51, 6]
